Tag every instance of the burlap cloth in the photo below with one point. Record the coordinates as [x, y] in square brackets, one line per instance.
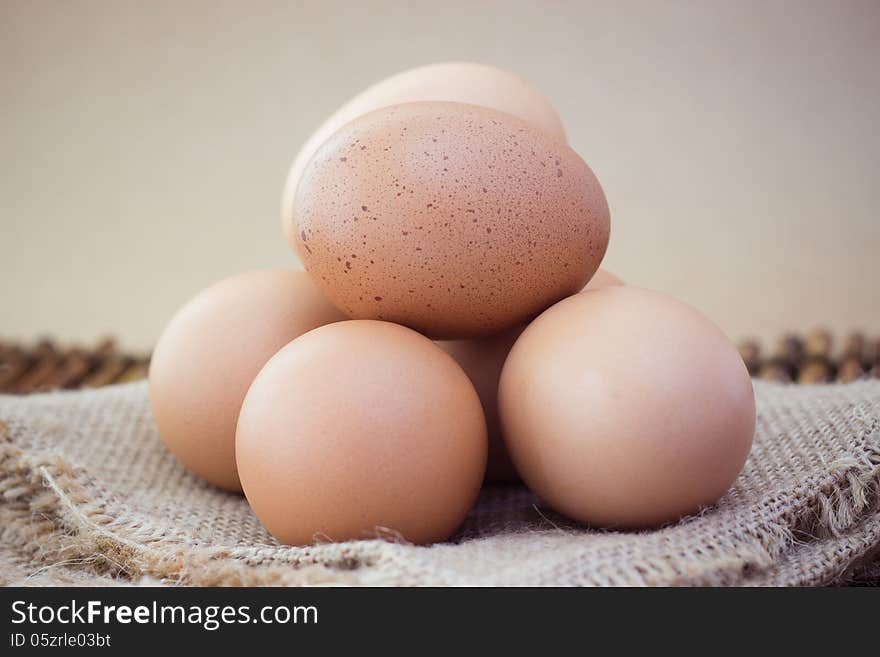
[90, 496]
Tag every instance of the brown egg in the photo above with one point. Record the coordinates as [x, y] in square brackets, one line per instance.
[455, 220]
[623, 407]
[462, 82]
[358, 429]
[210, 353]
[482, 360]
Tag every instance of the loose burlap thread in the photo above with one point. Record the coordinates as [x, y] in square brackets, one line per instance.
[90, 496]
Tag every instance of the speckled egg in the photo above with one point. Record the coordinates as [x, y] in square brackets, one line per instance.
[460, 82]
[452, 219]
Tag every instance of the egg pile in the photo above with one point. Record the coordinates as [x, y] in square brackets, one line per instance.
[452, 328]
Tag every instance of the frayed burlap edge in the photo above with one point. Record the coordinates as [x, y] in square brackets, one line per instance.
[829, 533]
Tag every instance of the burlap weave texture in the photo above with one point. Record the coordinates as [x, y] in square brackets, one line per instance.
[89, 495]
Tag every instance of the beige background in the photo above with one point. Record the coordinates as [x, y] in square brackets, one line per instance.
[143, 146]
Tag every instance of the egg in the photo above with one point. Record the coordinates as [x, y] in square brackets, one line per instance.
[603, 278]
[625, 408]
[462, 82]
[359, 430]
[482, 360]
[209, 354]
[451, 219]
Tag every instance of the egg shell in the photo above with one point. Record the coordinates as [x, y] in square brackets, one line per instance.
[603, 278]
[359, 430]
[455, 220]
[462, 82]
[482, 360]
[625, 408]
[209, 354]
